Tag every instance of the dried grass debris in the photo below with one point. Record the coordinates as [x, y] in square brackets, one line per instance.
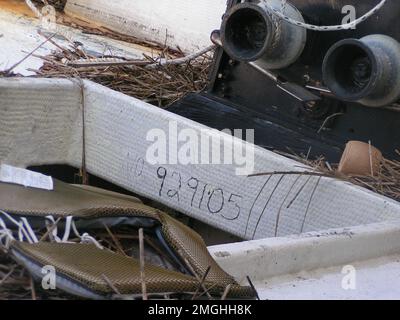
[152, 79]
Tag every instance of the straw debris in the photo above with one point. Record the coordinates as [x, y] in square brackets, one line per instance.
[386, 182]
[154, 79]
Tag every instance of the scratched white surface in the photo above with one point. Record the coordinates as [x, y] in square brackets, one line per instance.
[377, 279]
[188, 23]
[41, 123]
[20, 36]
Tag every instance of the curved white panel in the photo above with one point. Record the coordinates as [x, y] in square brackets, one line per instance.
[41, 123]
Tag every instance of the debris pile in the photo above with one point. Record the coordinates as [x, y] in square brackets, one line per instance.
[126, 249]
[385, 182]
[159, 80]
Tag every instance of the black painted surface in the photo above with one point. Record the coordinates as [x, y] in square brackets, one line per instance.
[282, 122]
[269, 135]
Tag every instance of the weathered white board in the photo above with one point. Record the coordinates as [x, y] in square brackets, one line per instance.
[339, 264]
[20, 36]
[184, 23]
[41, 123]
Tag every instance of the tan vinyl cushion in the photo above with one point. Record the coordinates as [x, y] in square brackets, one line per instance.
[87, 265]
[91, 203]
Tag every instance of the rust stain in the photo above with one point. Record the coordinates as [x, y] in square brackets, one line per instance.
[16, 6]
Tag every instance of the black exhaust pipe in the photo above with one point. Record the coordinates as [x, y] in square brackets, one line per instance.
[366, 71]
[250, 32]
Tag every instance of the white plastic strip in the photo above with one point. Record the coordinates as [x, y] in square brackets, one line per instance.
[67, 232]
[25, 178]
[6, 235]
[51, 225]
[22, 232]
[85, 238]
[29, 230]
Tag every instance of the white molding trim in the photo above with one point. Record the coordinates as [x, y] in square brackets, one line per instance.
[270, 258]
